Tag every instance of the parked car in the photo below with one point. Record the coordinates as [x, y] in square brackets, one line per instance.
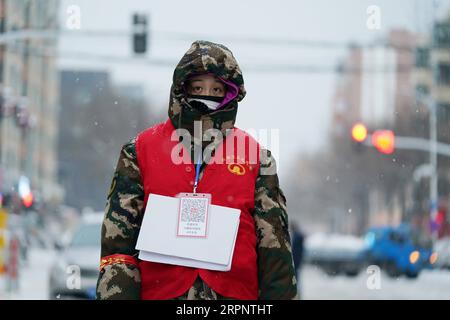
[399, 250]
[335, 253]
[74, 275]
[442, 249]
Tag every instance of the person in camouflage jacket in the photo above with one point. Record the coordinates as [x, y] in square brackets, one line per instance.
[125, 200]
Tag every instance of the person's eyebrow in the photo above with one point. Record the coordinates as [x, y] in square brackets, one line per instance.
[196, 80]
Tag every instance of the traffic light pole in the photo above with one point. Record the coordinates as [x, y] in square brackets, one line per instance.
[434, 148]
[418, 144]
[433, 161]
[433, 125]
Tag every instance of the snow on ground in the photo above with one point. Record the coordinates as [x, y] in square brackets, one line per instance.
[33, 277]
[431, 284]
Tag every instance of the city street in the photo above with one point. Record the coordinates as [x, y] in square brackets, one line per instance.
[431, 284]
[153, 144]
[33, 277]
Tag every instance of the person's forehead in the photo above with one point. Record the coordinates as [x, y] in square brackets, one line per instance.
[205, 77]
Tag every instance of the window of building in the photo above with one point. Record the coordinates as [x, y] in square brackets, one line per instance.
[422, 90]
[442, 35]
[443, 74]
[443, 118]
[422, 57]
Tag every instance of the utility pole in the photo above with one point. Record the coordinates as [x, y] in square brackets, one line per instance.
[433, 160]
[434, 195]
[2, 59]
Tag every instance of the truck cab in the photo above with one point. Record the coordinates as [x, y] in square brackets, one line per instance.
[399, 250]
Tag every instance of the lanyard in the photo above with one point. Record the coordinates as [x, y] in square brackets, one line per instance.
[197, 172]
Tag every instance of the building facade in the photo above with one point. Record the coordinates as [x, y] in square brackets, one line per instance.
[29, 126]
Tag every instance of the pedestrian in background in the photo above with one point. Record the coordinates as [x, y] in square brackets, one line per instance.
[297, 240]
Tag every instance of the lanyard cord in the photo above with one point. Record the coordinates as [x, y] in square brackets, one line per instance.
[197, 172]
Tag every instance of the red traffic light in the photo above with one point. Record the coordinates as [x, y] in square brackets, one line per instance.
[359, 132]
[27, 200]
[384, 141]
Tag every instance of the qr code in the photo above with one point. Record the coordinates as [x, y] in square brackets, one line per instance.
[193, 210]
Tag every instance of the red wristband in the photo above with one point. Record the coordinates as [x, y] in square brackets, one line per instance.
[118, 258]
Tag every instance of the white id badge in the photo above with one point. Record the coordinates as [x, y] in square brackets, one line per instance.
[193, 214]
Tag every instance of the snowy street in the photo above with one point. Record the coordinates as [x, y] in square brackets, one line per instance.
[431, 284]
[33, 277]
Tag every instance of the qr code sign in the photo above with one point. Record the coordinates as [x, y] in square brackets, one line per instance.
[193, 209]
[193, 215]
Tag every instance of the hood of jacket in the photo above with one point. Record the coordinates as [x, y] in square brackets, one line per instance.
[204, 57]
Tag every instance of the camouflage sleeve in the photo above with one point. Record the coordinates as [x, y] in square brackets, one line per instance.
[121, 223]
[276, 273]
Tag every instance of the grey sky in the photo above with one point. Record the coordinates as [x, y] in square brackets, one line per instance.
[298, 104]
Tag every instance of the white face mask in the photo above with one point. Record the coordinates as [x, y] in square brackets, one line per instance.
[212, 105]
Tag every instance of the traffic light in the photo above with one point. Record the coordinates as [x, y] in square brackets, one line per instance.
[384, 141]
[139, 33]
[359, 132]
[359, 135]
[27, 200]
[26, 196]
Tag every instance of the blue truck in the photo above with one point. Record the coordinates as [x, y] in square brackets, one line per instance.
[399, 250]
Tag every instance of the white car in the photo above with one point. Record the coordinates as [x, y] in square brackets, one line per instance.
[335, 253]
[74, 275]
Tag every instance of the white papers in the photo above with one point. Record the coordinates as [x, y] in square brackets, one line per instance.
[158, 241]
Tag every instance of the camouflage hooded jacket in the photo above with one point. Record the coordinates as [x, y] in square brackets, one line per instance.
[124, 208]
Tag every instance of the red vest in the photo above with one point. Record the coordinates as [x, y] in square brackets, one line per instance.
[231, 185]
